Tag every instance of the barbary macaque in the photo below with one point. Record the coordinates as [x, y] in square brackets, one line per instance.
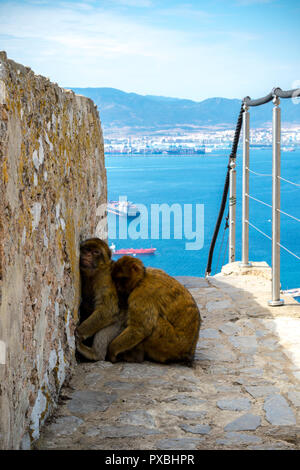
[163, 319]
[100, 314]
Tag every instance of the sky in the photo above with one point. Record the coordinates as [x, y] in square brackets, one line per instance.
[194, 50]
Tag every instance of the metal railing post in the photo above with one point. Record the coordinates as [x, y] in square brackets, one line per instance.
[245, 198]
[276, 301]
[232, 210]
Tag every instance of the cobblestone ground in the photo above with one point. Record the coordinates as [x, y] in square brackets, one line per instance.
[243, 391]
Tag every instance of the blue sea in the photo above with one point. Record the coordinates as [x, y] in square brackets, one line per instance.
[199, 180]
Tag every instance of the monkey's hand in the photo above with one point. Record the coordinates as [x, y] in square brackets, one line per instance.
[126, 341]
[103, 316]
[78, 337]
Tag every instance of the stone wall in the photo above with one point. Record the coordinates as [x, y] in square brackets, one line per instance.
[52, 182]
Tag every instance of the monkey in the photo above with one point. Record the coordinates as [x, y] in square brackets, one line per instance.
[100, 314]
[163, 319]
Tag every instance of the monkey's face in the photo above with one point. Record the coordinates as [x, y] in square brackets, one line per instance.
[127, 272]
[94, 254]
[123, 283]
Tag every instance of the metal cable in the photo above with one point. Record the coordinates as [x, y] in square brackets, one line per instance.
[257, 174]
[260, 231]
[267, 174]
[247, 101]
[287, 181]
[289, 215]
[270, 238]
[290, 252]
[258, 200]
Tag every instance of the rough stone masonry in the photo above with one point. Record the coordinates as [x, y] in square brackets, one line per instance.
[52, 183]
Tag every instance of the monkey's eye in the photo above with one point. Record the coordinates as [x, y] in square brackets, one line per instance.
[96, 252]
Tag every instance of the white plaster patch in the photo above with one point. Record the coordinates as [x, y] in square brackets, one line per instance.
[3, 97]
[41, 151]
[56, 308]
[41, 327]
[61, 373]
[36, 214]
[70, 338]
[57, 210]
[35, 179]
[23, 237]
[99, 186]
[45, 239]
[35, 159]
[62, 223]
[52, 359]
[2, 352]
[38, 409]
[45, 175]
[48, 141]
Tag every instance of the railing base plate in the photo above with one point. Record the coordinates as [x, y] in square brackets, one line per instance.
[276, 303]
[245, 265]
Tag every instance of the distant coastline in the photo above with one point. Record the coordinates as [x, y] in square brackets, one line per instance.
[153, 153]
[188, 152]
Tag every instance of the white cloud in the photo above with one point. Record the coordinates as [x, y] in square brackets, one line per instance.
[100, 47]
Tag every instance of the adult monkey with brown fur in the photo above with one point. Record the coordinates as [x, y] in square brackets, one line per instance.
[163, 319]
[99, 310]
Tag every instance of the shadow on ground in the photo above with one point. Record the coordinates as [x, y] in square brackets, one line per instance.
[243, 391]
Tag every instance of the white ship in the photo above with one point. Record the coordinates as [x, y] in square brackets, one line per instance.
[122, 208]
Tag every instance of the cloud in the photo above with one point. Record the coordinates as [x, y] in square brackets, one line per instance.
[114, 48]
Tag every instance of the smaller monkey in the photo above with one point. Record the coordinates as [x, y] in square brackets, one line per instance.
[99, 310]
[163, 319]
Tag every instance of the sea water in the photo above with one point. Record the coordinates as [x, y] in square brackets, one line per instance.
[200, 180]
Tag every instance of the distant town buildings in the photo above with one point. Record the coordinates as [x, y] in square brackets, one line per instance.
[194, 143]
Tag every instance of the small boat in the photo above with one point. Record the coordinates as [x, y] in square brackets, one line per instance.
[133, 251]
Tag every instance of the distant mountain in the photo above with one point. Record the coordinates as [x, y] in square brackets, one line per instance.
[119, 109]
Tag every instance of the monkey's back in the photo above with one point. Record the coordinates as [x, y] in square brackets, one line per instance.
[178, 323]
[174, 301]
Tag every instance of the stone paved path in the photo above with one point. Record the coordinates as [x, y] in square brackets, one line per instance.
[243, 391]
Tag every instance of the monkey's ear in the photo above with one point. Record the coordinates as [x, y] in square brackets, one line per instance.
[135, 267]
[138, 270]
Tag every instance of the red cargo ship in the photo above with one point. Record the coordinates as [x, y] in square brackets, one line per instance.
[135, 251]
[132, 251]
